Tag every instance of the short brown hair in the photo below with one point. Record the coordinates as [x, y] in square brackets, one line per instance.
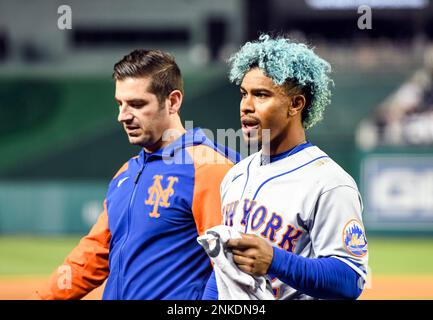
[157, 65]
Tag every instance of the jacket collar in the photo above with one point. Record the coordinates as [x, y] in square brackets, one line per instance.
[191, 137]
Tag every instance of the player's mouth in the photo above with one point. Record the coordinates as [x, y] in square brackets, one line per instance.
[132, 130]
[250, 125]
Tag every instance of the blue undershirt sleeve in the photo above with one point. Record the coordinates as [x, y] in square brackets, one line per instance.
[323, 278]
[211, 289]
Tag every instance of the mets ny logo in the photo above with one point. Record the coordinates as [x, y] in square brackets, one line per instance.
[354, 238]
[159, 196]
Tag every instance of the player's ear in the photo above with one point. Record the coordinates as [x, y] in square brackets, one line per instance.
[174, 101]
[297, 104]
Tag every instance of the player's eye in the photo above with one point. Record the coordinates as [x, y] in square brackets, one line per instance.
[137, 105]
[261, 95]
[243, 94]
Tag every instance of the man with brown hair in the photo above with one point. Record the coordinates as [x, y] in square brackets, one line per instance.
[157, 204]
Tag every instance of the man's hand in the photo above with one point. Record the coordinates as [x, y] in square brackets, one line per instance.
[252, 254]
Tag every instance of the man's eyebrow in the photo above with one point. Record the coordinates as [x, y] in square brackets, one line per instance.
[132, 100]
[259, 89]
[136, 101]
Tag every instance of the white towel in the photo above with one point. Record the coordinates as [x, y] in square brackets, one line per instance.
[232, 283]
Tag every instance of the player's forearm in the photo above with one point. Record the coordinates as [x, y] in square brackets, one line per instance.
[85, 267]
[323, 278]
[68, 283]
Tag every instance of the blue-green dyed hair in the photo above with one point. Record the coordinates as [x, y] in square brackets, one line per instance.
[284, 61]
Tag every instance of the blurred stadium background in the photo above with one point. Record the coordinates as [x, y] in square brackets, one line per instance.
[60, 143]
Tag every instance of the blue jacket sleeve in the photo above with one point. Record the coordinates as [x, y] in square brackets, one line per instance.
[323, 278]
[211, 289]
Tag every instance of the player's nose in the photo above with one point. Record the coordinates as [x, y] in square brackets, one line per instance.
[247, 105]
[124, 114]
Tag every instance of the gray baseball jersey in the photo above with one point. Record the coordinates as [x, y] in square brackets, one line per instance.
[304, 203]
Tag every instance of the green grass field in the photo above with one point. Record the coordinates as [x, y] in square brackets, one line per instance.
[33, 256]
[401, 256]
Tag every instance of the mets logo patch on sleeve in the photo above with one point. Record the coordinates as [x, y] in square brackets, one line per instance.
[354, 238]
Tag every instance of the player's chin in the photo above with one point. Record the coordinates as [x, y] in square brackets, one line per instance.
[252, 140]
[251, 131]
[251, 135]
[136, 140]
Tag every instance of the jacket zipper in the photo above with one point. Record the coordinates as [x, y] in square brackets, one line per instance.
[131, 202]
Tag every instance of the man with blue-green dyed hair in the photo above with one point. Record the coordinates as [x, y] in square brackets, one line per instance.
[299, 212]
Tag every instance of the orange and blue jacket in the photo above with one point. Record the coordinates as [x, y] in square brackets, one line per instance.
[144, 242]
